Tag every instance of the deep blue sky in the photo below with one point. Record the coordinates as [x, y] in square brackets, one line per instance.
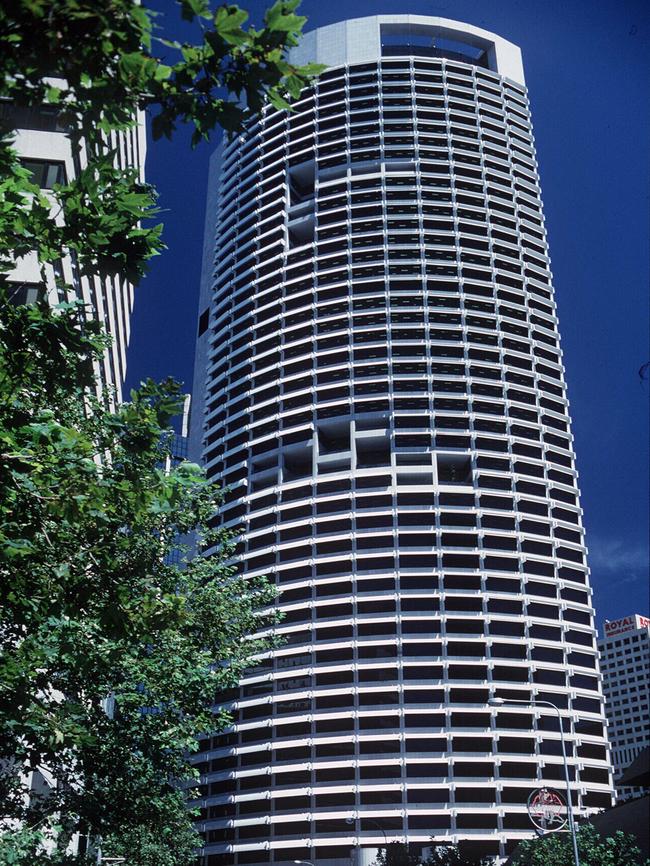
[586, 65]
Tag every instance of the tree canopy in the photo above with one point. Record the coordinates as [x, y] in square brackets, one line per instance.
[97, 63]
[114, 642]
[400, 854]
[112, 653]
[555, 849]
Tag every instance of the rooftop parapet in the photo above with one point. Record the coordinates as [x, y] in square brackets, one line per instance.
[366, 40]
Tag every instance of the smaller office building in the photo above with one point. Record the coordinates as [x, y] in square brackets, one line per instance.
[625, 664]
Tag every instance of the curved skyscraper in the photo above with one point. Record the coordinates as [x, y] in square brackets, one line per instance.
[380, 385]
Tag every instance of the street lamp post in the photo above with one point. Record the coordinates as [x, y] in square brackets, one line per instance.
[350, 820]
[500, 702]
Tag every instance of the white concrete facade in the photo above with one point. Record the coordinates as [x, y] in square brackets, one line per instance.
[380, 385]
[625, 663]
[43, 144]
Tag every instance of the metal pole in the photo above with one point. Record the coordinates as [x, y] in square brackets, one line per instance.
[569, 804]
[352, 822]
[569, 801]
[379, 827]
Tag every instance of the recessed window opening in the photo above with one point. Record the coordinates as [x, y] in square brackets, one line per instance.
[301, 179]
[373, 451]
[204, 321]
[415, 478]
[45, 173]
[21, 294]
[265, 464]
[454, 469]
[334, 437]
[301, 231]
[297, 462]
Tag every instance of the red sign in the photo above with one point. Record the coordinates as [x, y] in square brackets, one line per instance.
[627, 623]
[547, 810]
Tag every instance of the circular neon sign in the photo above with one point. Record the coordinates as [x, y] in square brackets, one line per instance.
[547, 810]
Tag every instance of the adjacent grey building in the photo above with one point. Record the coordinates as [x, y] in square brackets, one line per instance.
[625, 663]
[380, 387]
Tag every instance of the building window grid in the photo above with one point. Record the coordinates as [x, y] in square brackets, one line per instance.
[349, 332]
[521, 302]
[625, 686]
[504, 316]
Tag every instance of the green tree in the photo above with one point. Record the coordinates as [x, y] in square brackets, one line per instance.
[399, 854]
[451, 855]
[111, 655]
[396, 854]
[97, 63]
[555, 849]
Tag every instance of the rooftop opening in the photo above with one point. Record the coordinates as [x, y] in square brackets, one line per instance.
[423, 41]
